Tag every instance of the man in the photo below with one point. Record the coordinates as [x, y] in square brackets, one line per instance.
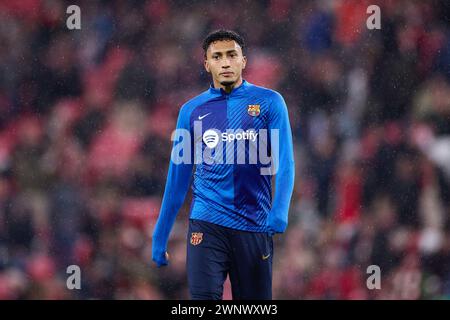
[232, 216]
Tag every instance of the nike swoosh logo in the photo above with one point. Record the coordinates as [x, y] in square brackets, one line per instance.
[265, 257]
[201, 117]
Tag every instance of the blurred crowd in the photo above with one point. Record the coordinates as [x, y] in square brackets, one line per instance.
[86, 117]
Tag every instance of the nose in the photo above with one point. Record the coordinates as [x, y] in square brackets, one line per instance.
[226, 63]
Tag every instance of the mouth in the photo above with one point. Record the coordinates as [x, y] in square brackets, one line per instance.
[227, 74]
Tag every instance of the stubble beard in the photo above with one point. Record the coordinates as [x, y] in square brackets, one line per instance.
[227, 83]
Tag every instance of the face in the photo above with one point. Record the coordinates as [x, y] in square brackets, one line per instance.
[225, 61]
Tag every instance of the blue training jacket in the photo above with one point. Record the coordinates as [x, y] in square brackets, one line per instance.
[227, 138]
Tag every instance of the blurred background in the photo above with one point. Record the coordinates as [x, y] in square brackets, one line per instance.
[86, 117]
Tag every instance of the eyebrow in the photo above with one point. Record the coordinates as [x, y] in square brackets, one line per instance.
[220, 52]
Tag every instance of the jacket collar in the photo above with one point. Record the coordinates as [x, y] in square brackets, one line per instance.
[241, 87]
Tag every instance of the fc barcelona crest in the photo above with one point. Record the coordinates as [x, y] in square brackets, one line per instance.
[253, 110]
[196, 238]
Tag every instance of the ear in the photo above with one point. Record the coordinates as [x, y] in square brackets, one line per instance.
[206, 64]
[244, 62]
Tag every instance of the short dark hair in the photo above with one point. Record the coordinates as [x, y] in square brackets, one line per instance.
[223, 34]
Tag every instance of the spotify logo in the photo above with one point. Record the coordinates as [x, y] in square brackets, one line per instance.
[211, 138]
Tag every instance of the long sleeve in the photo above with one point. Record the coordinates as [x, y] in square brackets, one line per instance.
[177, 186]
[285, 167]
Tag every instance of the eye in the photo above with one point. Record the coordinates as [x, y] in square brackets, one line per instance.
[215, 57]
[233, 55]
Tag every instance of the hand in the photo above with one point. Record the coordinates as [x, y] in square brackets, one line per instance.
[160, 258]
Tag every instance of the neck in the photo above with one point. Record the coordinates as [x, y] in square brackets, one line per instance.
[227, 88]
